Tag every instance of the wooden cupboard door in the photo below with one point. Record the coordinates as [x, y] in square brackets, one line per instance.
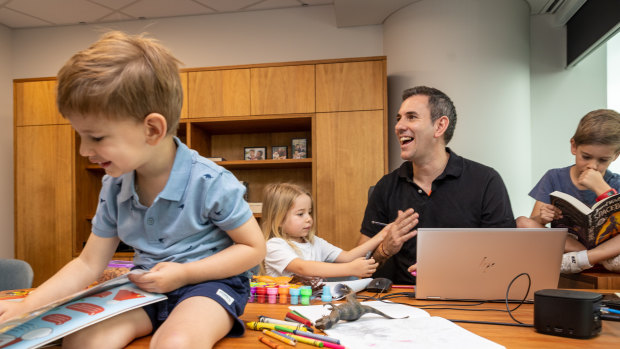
[43, 198]
[350, 86]
[184, 112]
[346, 166]
[219, 93]
[282, 90]
[35, 103]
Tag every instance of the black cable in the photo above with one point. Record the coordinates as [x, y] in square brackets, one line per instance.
[444, 306]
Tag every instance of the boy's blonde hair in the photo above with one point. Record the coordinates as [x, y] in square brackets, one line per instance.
[122, 76]
[278, 199]
[600, 126]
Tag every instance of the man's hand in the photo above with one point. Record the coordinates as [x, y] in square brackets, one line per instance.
[399, 231]
[163, 277]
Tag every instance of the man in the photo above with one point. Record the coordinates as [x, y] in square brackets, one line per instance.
[434, 187]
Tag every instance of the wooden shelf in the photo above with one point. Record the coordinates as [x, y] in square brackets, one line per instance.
[254, 124]
[264, 164]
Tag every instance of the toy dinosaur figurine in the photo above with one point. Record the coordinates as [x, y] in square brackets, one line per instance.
[349, 311]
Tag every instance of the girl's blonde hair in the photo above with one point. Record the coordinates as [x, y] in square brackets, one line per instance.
[278, 198]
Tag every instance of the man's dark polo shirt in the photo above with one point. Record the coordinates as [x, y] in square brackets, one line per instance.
[466, 195]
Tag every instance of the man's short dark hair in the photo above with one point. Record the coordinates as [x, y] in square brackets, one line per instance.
[439, 103]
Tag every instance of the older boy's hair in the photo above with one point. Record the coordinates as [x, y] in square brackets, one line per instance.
[278, 198]
[439, 104]
[601, 126]
[122, 76]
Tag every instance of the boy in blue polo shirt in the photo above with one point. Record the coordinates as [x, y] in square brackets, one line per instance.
[184, 215]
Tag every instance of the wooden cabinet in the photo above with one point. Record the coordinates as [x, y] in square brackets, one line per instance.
[218, 93]
[35, 103]
[43, 197]
[282, 90]
[350, 157]
[350, 86]
[339, 106]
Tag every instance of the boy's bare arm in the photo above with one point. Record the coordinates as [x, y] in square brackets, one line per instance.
[248, 251]
[73, 277]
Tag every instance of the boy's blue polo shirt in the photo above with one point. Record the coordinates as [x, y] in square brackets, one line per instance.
[187, 220]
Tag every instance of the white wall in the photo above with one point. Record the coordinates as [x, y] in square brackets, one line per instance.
[6, 145]
[477, 52]
[559, 97]
[211, 40]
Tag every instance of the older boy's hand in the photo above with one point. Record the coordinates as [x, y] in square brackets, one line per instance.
[399, 231]
[549, 213]
[163, 277]
[593, 180]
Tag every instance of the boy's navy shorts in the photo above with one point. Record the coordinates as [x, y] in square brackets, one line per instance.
[231, 293]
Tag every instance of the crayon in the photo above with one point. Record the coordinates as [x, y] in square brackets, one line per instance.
[298, 319]
[306, 340]
[332, 345]
[269, 343]
[255, 325]
[298, 314]
[269, 320]
[279, 337]
[317, 337]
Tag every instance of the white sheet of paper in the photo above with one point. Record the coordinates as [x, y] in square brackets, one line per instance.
[418, 330]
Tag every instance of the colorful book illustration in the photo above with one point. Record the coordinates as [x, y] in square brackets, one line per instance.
[74, 312]
[591, 226]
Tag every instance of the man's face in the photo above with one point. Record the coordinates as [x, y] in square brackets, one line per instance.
[414, 128]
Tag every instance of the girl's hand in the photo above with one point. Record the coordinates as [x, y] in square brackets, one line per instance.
[549, 213]
[163, 277]
[363, 268]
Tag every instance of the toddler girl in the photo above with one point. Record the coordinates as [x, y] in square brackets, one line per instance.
[293, 247]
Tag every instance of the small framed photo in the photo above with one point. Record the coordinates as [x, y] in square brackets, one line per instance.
[254, 153]
[299, 148]
[279, 152]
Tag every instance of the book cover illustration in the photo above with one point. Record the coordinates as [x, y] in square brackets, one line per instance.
[591, 226]
[74, 315]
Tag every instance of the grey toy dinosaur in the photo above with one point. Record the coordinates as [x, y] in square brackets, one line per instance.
[349, 311]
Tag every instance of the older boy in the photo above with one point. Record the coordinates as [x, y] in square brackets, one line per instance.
[184, 215]
[595, 145]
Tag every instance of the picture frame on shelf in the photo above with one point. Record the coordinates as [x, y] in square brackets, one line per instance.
[254, 153]
[279, 152]
[299, 148]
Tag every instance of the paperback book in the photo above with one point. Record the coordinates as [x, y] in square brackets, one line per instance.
[590, 225]
[74, 312]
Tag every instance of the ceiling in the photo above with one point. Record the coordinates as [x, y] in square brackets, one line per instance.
[18, 14]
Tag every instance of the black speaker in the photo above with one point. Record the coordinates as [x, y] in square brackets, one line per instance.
[567, 313]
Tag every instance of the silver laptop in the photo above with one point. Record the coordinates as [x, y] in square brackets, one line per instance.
[480, 263]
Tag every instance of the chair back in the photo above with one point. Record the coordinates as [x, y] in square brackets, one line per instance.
[15, 274]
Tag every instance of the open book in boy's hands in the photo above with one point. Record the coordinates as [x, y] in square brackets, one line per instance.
[591, 226]
[74, 312]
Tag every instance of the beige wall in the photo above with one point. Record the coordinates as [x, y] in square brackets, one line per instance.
[6, 145]
[536, 125]
[210, 40]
